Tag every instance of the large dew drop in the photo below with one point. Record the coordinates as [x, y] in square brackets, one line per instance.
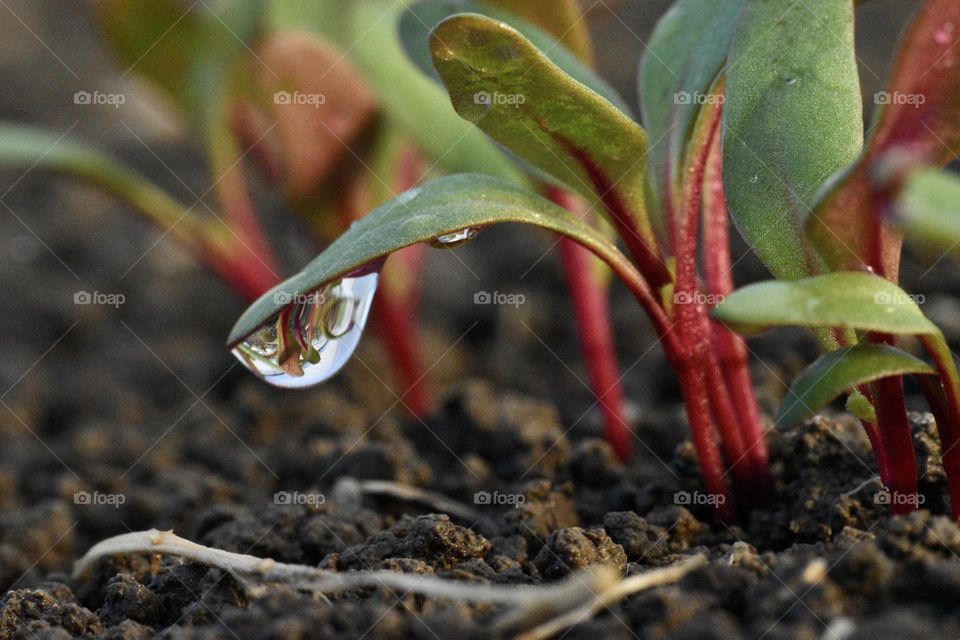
[313, 337]
[455, 239]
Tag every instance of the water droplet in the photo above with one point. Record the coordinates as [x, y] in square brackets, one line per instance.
[455, 239]
[944, 34]
[313, 337]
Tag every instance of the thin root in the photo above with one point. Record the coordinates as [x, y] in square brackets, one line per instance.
[560, 604]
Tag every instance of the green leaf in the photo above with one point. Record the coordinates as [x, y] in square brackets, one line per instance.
[502, 83]
[918, 123]
[792, 117]
[419, 20]
[928, 209]
[437, 208]
[684, 57]
[838, 371]
[845, 300]
[26, 148]
[184, 49]
[411, 99]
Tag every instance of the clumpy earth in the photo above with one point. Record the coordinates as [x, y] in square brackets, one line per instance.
[828, 562]
[141, 402]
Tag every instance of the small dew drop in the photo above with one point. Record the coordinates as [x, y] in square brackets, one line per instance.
[455, 239]
[313, 337]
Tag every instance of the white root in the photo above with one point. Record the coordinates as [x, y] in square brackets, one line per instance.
[598, 587]
[615, 593]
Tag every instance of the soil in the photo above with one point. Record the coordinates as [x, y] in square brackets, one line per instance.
[141, 401]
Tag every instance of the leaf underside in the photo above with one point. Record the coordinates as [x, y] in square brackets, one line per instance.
[839, 371]
[918, 124]
[437, 208]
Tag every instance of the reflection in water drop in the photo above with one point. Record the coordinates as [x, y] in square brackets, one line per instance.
[313, 337]
[455, 239]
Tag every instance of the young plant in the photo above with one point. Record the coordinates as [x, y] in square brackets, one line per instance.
[286, 99]
[273, 83]
[565, 128]
[842, 233]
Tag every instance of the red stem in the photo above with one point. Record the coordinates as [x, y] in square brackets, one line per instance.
[646, 253]
[690, 312]
[729, 348]
[894, 431]
[248, 277]
[697, 405]
[591, 314]
[946, 409]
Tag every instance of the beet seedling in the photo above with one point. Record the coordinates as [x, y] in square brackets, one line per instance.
[841, 243]
[295, 87]
[566, 128]
[287, 100]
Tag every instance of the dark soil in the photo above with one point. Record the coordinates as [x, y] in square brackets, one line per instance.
[142, 402]
[828, 558]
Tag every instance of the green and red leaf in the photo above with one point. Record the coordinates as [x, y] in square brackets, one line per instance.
[919, 124]
[440, 207]
[501, 82]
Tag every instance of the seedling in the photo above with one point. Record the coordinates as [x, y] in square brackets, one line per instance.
[755, 105]
[295, 87]
[842, 237]
[575, 133]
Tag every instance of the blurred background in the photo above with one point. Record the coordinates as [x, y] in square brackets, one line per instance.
[90, 391]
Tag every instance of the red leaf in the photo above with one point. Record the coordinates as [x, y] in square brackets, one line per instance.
[919, 125]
